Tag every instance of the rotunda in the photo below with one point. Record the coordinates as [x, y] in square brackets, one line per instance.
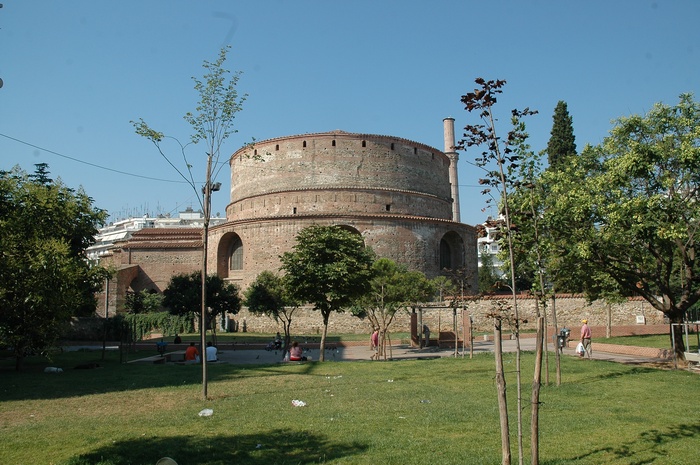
[400, 195]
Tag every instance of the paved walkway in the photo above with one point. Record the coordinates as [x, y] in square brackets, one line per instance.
[404, 352]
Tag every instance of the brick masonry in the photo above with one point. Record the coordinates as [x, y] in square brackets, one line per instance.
[394, 192]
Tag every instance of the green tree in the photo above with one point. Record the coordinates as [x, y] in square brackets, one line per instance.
[44, 278]
[146, 301]
[392, 288]
[329, 267]
[268, 295]
[562, 142]
[632, 207]
[444, 287]
[184, 294]
[488, 275]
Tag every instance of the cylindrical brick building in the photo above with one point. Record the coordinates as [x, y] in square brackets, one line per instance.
[395, 192]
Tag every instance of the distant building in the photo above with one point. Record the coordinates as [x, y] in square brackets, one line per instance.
[120, 231]
[488, 235]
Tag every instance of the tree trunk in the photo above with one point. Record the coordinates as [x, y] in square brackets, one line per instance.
[676, 335]
[557, 358]
[322, 346]
[536, 382]
[501, 391]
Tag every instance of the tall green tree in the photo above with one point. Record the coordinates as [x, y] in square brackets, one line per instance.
[330, 268]
[184, 294]
[632, 209]
[212, 123]
[268, 295]
[562, 142]
[392, 288]
[45, 228]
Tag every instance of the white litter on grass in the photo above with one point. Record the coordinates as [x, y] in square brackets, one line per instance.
[259, 446]
[298, 403]
[207, 412]
[53, 370]
[389, 380]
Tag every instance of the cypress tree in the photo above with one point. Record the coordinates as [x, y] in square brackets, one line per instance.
[561, 143]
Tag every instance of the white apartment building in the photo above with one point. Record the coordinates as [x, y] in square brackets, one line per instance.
[487, 242]
[123, 229]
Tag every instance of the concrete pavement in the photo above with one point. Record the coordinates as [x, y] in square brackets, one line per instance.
[405, 352]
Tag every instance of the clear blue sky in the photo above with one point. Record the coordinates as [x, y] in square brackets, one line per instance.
[75, 72]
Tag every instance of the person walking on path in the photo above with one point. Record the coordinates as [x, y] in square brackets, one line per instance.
[586, 339]
[374, 344]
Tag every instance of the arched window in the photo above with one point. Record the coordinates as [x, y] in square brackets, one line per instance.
[445, 255]
[235, 260]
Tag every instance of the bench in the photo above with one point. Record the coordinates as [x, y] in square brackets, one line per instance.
[175, 356]
[692, 357]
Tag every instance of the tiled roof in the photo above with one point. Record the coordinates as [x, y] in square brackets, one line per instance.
[165, 238]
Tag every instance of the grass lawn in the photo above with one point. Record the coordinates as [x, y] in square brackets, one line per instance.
[404, 412]
[658, 341]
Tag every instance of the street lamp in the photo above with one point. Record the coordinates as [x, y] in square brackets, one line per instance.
[207, 189]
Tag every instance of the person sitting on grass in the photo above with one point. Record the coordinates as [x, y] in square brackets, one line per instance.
[192, 354]
[211, 352]
[295, 353]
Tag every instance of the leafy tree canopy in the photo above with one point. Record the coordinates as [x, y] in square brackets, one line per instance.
[630, 208]
[328, 267]
[562, 142]
[183, 296]
[268, 295]
[44, 278]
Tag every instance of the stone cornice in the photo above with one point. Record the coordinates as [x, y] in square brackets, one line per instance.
[339, 134]
[344, 188]
[335, 216]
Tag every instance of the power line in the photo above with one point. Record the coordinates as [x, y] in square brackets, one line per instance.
[91, 164]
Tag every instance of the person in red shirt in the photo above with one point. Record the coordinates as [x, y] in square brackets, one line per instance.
[191, 354]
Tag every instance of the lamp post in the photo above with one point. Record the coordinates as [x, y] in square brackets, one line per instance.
[207, 189]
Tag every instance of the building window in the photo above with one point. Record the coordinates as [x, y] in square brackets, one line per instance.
[277, 147]
[304, 144]
[364, 143]
[333, 143]
[294, 211]
[445, 255]
[388, 207]
[392, 146]
[236, 254]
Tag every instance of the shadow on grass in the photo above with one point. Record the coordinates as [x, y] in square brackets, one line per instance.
[649, 446]
[637, 370]
[276, 446]
[111, 376]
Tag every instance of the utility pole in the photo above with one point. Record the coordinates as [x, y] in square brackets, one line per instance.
[205, 241]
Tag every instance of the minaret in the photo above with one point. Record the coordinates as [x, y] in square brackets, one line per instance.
[449, 127]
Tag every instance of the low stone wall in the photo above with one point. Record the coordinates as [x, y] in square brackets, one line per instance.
[635, 316]
[570, 311]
